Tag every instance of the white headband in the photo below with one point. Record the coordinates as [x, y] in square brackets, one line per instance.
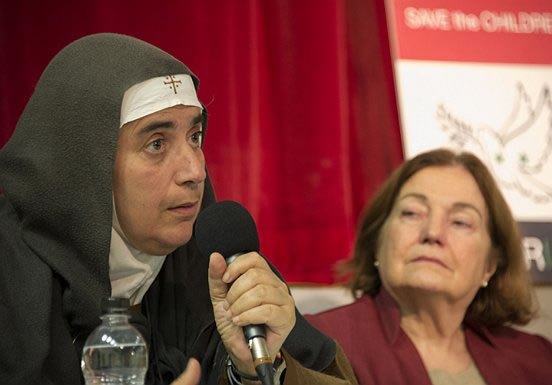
[157, 94]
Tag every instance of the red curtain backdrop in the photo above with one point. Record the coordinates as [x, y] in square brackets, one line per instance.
[303, 122]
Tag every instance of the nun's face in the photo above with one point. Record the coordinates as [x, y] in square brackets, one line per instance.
[159, 178]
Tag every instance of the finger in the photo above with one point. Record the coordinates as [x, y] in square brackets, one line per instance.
[262, 294]
[217, 268]
[191, 374]
[244, 263]
[252, 278]
[275, 317]
[230, 333]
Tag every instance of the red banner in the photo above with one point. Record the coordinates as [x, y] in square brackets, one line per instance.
[457, 30]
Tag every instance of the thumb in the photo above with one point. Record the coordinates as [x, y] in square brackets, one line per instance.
[191, 375]
[217, 288]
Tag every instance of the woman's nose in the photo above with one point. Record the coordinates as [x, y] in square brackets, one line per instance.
[433, 230]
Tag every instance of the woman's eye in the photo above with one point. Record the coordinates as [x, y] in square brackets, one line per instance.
[408, 213]
[461, 223]
[412, 212]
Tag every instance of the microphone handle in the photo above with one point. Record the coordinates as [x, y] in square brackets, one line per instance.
[260, 354]
[256, 339]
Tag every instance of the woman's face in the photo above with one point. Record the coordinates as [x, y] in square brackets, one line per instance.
[436, 238]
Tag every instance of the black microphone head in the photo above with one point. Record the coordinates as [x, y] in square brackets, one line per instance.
[226, 227]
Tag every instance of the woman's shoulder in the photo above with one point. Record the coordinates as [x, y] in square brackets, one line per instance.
[518, 341]
[520, 356]
[516, 337]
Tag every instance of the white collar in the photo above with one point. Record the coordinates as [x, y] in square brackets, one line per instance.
[131, 271]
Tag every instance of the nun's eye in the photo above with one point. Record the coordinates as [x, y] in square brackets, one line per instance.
[196, 139]
[155, 145]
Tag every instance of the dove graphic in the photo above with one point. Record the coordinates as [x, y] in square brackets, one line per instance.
[519, 153]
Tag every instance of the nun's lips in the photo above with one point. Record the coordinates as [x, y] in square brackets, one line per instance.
[187, 210]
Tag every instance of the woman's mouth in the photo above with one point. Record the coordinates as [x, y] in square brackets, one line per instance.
[430, 260]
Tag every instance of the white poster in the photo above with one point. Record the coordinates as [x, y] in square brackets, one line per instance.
[477, 76]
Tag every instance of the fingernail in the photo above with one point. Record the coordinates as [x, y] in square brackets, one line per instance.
[236, 320]
[225, 305]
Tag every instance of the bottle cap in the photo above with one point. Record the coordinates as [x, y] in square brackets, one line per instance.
[115, 305]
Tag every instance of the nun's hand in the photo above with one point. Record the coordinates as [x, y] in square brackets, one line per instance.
[191, 375]
[247, 292]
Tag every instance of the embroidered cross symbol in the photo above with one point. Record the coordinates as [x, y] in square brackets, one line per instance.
[172, 82]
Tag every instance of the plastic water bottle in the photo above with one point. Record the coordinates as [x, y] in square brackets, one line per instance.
[115, 352]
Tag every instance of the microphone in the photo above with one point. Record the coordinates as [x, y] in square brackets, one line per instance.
[227, 228]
